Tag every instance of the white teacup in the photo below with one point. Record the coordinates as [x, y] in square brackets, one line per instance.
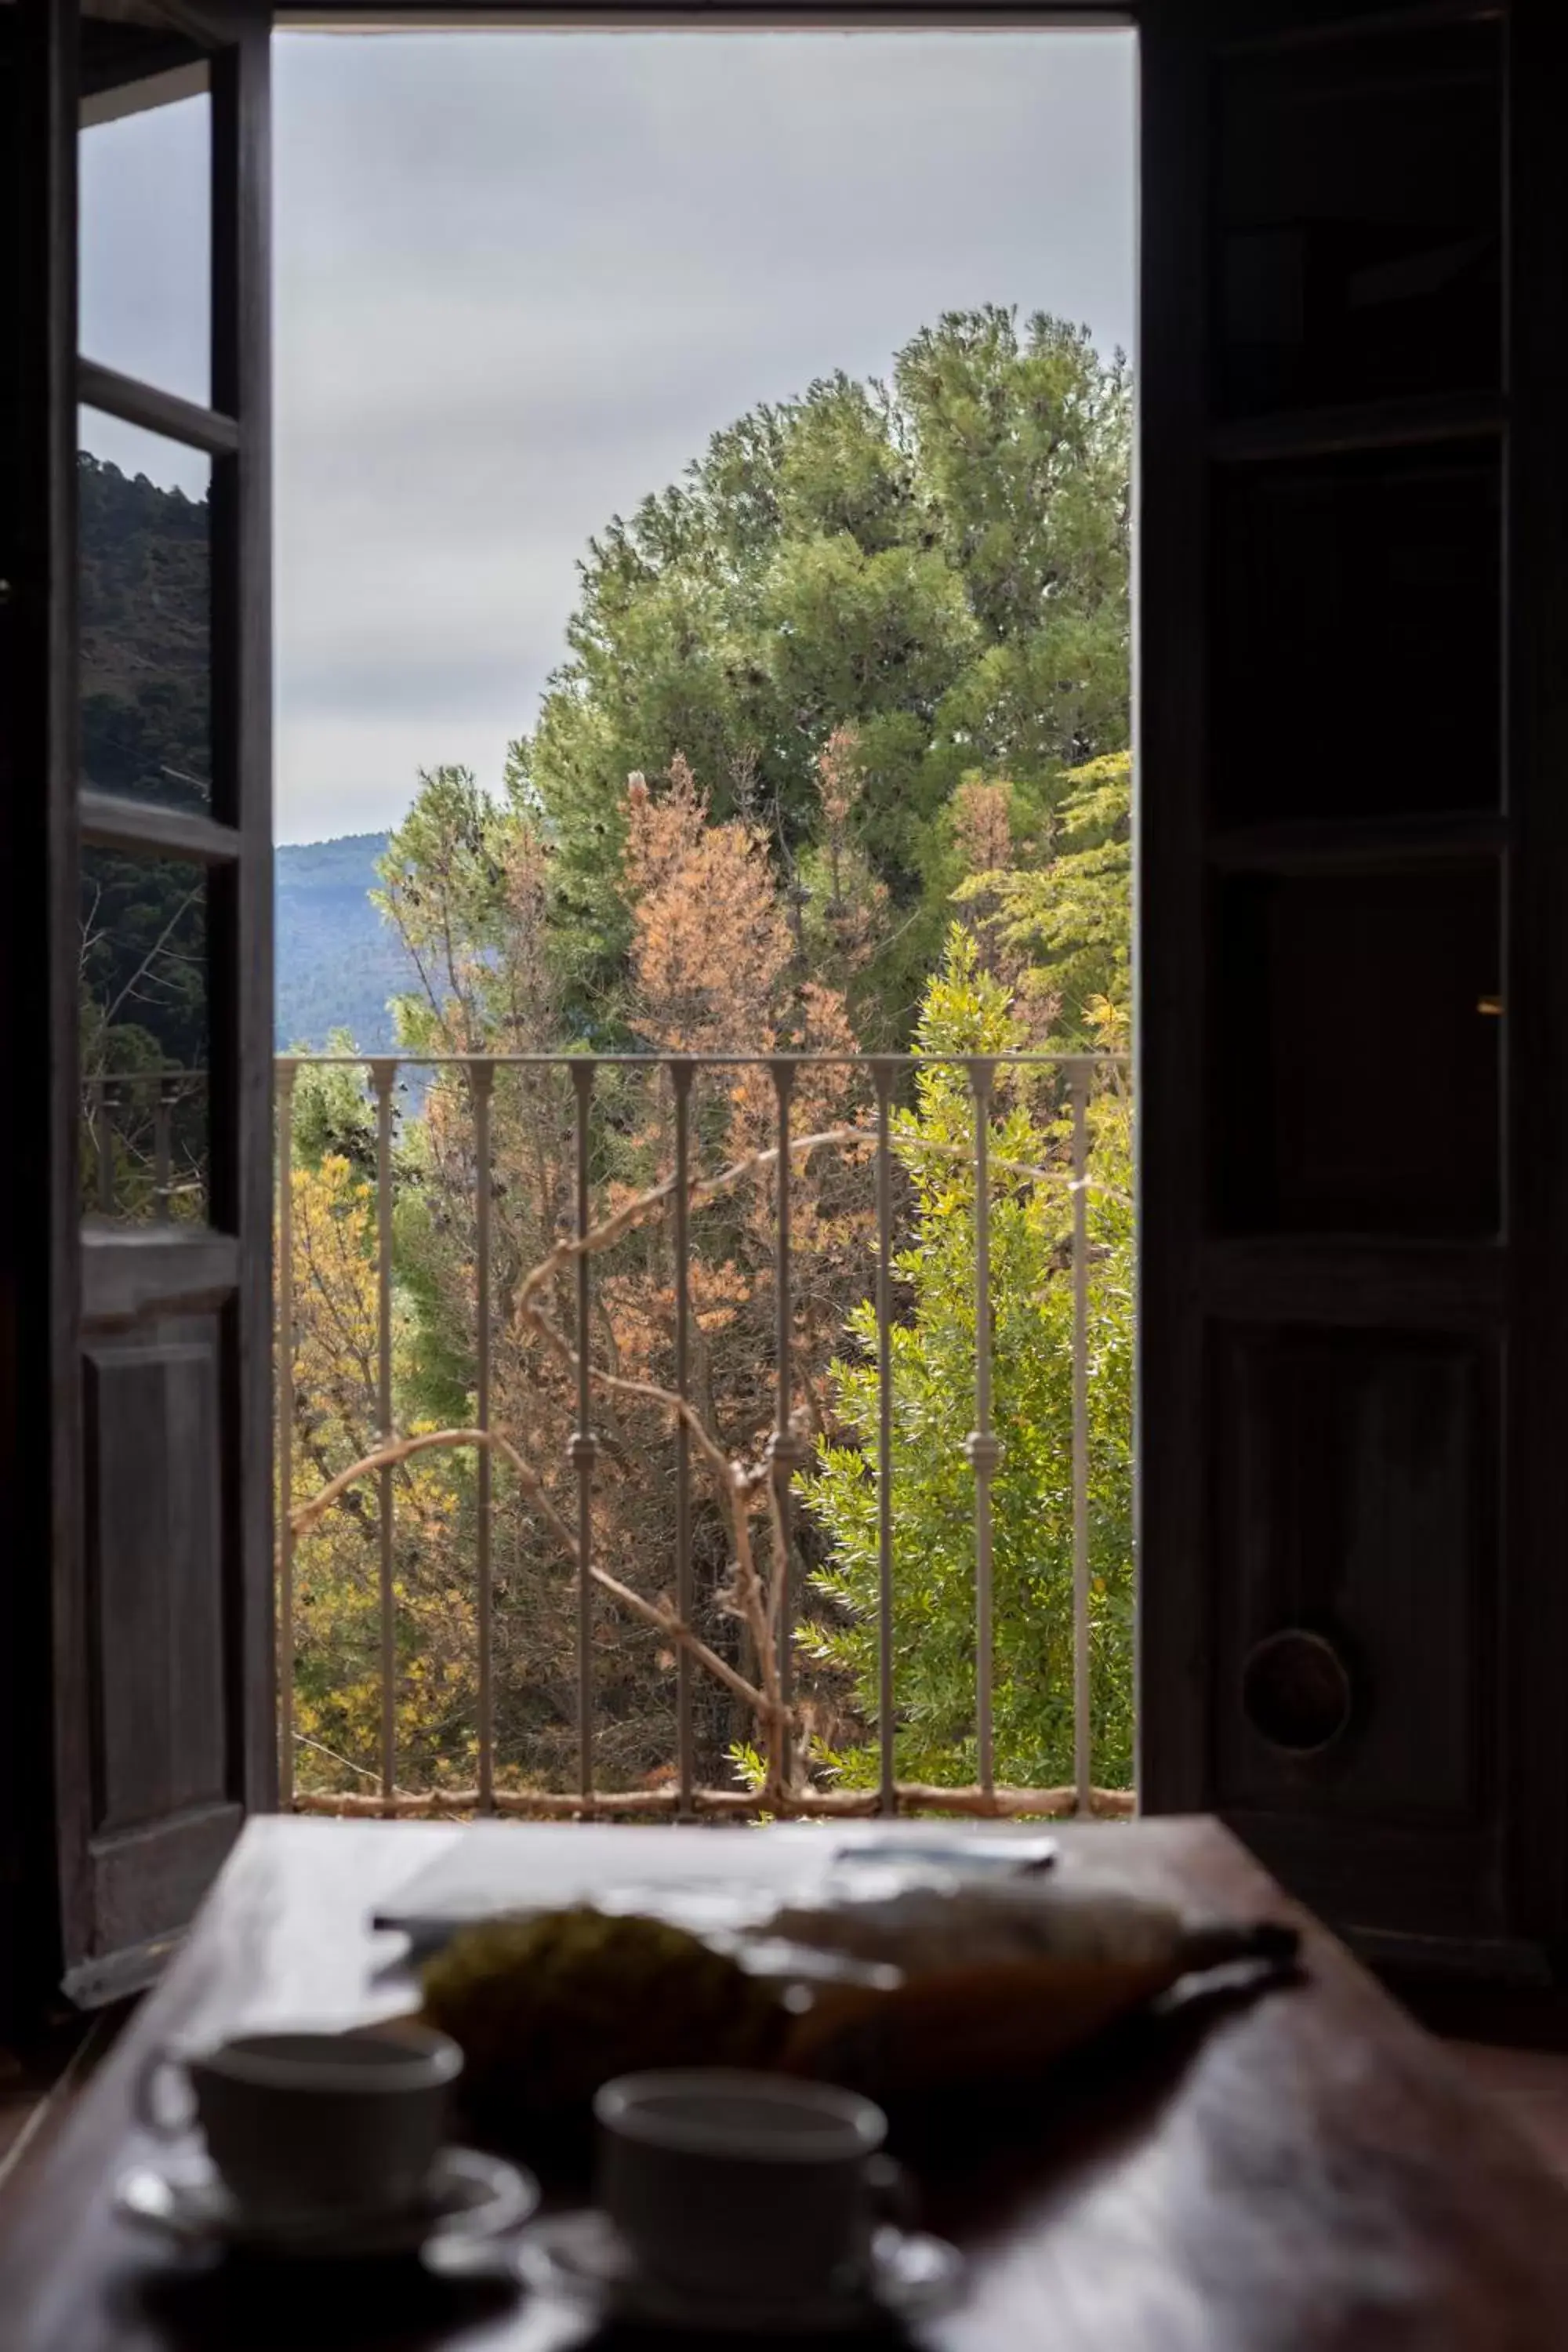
[740, 2187]
[314, 2123]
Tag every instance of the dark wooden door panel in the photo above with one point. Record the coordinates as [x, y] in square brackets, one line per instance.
[161, 1721]
[163, 1730]
[154, 1526]
[144, 1889]
[1354, 1504]
[1356, 1072]
[1357, 647]
[1358, 249]
[1353, 988]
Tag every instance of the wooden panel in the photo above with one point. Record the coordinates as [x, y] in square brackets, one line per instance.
[1356, 1079]
[1403, 1893]
[156, 1270]
[1345, 590]
[1351, 1285]
[146, 1884]
[1356, 1498]
[1355, 1169]
[1355, 1490]
[1360, 190]
[153, 1519]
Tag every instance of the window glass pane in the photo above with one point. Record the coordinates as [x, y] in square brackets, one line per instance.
[144, 1010]
[1361, 207]
[1344, 587]
[144, 514]
[145, 209]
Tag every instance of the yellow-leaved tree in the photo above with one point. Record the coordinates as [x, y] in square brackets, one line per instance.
[337, 1615]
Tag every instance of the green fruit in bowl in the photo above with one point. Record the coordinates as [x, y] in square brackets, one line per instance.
[547, 2007]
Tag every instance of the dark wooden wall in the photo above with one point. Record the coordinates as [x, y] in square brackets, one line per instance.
[37, 1227]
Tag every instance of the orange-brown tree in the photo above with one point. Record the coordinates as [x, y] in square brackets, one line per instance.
[714, 970]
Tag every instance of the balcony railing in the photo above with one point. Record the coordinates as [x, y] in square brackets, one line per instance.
[143, 1144]
[593, 1211]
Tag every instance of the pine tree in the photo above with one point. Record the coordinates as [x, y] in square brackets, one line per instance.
[939, 563]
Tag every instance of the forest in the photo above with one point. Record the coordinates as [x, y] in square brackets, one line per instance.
[836, 762]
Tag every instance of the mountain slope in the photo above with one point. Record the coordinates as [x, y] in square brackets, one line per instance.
[337, 962]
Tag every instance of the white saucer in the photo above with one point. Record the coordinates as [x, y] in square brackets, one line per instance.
[470, 2197]
[579, 2258]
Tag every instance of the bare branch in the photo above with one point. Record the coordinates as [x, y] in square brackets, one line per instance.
[664, 1621]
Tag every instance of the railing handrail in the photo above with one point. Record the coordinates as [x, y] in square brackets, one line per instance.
[656, 1059]
[160, 1092]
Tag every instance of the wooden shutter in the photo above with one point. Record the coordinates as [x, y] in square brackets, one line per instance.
[1354, 996]
[161, 867]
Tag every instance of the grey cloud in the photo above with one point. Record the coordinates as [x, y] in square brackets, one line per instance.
[427, 688]
[145, 239]
[522, 278]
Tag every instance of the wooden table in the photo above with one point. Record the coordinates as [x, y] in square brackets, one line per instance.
[1283, 2173]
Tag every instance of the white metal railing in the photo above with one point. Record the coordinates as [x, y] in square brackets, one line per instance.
[1076, 1076]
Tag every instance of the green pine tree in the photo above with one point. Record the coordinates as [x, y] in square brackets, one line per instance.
[939, 563]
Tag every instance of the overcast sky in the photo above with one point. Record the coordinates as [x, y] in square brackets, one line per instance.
[521, 279]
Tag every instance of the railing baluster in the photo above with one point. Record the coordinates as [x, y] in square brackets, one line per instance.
[981, 1445]
[107, 1094]
[200, 1094]
[285, 1280]
[786, 1452]
[162, 1107]
[383, 1072]
[584, 1448]
[882, 1077]
[481, 1080]
[681, 1078]
[1082, 1724]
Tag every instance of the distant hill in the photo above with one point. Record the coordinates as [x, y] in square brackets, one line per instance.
[337, 963]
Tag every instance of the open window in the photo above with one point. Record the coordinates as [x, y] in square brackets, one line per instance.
[1354, 980]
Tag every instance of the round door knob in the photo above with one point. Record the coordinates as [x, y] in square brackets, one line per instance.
[1296, 1692]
